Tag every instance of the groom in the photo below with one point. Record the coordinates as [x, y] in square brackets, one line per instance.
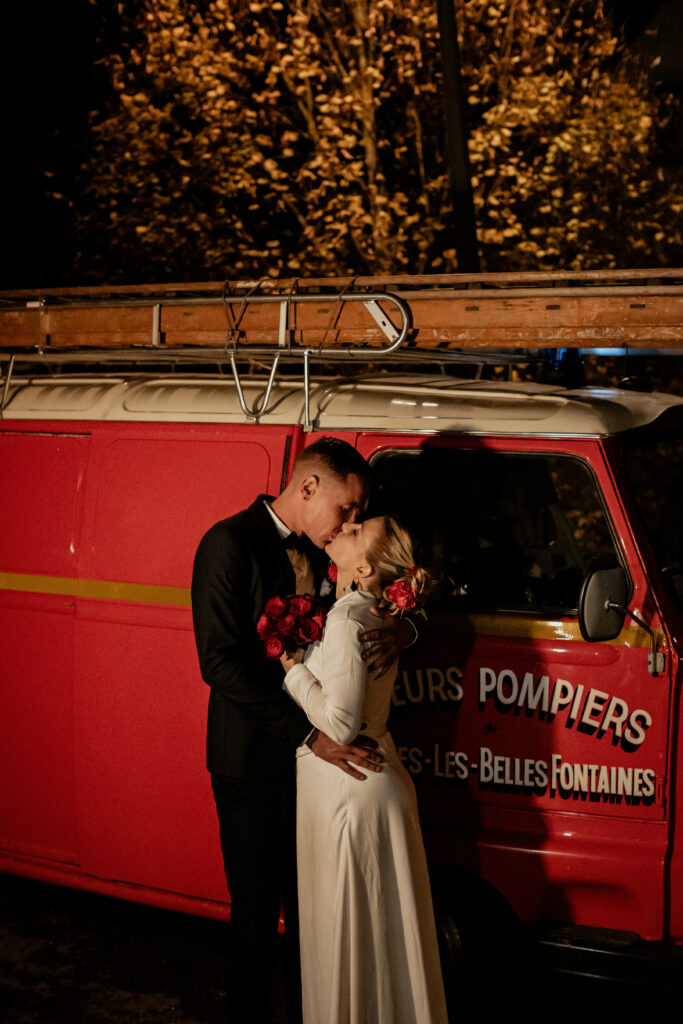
[274, 547]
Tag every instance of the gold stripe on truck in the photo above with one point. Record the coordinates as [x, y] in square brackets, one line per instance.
[504, 625]
[525, 626]
[100, 590]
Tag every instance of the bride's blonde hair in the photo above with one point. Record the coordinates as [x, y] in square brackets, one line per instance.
[393, 560]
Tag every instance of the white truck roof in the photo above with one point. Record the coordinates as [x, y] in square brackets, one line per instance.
[404, 402]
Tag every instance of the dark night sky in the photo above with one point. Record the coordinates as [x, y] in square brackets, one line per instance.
[50, 82]
[49, 85]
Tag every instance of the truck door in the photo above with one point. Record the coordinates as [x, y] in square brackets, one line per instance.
[539, 758]
[146, 811]
[651, 462]
[40, 517]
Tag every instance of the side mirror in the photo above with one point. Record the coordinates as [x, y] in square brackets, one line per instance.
[602, 604]
[602, 611]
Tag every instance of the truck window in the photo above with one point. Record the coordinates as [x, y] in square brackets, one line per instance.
[503, 531]
[655, 472]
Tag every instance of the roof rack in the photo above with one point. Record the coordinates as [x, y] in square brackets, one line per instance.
[432, 318]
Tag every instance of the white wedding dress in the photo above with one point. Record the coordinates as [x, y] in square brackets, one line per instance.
[368, 941]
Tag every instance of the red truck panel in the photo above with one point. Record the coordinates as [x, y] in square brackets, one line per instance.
[109, 747]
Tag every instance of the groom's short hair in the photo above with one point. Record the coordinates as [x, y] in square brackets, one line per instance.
[339, 458]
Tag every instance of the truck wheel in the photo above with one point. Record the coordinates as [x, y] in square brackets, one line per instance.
[481, 945]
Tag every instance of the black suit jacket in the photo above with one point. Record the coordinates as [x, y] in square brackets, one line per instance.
[253, 726]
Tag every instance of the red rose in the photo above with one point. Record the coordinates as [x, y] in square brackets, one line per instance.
[401, 594]
[273, 647]
[332, 572]
[300, 604]
[275, 607]
[287, 625]
[264, 626]
[309, 631]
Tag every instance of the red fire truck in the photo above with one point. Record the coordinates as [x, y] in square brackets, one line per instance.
[539, 714]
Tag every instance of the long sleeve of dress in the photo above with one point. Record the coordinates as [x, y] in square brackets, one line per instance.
[334, 702]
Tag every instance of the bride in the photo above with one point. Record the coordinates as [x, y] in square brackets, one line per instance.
[368, 941]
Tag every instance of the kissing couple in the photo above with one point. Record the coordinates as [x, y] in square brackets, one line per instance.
[308, 785]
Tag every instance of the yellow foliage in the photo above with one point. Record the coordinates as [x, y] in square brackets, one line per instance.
[273, 138]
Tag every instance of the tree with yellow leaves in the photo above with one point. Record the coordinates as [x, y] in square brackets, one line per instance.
[304, 137]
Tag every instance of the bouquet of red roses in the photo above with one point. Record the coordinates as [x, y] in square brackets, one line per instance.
[290, 622]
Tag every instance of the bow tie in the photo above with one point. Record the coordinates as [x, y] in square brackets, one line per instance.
[296, 543]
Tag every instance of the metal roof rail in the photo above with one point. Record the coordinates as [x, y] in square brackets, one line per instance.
[435, 319]
[389, 313]
[374, 303]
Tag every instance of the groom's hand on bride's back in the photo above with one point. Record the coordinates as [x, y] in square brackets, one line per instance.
[361, 752]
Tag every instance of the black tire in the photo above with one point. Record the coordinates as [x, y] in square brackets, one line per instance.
[482, 947]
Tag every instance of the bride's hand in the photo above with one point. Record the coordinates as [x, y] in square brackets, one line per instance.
[288, 659]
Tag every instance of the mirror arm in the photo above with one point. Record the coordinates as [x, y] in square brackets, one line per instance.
[656, 660]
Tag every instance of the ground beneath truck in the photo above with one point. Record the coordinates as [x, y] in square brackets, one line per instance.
[69, 957]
